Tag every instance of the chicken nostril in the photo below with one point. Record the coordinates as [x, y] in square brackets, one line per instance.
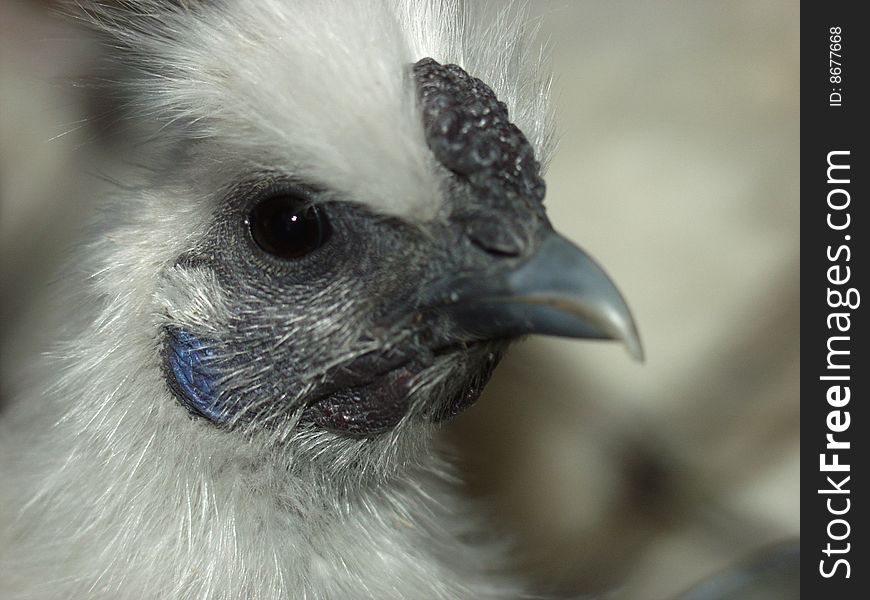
[496, 238]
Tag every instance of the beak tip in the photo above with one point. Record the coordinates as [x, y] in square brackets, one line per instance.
[635, 348]
[622, 328]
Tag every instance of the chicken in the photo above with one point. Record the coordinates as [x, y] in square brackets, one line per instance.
[323, 233]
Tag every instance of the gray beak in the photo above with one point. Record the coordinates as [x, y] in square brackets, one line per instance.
[558, 291]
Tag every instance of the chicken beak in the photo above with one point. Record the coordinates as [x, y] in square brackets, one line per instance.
[558, 291]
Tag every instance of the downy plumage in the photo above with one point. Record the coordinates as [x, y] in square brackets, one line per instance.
[227, 412]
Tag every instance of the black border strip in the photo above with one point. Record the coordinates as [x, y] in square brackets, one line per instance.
[834, 232]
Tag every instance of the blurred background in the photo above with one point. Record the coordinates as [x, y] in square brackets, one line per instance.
[678, 170]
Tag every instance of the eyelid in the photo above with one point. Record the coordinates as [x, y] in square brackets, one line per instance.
[278, 186]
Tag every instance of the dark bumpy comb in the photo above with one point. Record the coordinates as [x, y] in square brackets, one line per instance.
[469, 132]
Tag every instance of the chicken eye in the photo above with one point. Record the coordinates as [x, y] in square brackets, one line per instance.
[288, 226]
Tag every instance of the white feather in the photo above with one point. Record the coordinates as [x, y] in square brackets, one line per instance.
[321, 87]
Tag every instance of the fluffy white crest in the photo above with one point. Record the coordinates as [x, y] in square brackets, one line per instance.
[321, 89]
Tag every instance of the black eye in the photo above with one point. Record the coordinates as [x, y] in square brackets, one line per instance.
[288, 226]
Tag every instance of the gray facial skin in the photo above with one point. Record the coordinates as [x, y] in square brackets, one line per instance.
[381, 320]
